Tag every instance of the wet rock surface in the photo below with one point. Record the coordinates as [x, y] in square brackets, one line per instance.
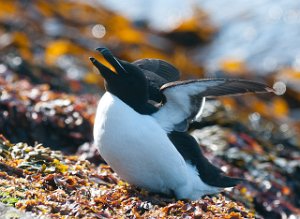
[34, 113]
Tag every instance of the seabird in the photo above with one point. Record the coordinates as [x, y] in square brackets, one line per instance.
[142, 121]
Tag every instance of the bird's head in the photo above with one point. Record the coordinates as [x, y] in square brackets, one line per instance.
[127, 82]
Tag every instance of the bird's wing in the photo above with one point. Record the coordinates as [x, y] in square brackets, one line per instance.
[189, 149]
[158, 73]
[183, 99]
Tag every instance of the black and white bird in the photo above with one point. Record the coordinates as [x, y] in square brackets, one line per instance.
[147, 144]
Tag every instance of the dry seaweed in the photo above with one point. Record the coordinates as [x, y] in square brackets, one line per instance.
[60, 186]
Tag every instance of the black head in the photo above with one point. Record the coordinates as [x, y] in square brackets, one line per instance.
[127, 82]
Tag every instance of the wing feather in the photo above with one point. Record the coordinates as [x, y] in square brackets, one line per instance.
[183, 99]
[158, 73]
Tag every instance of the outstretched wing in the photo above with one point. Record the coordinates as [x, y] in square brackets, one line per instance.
[158, 73]
[183, 99]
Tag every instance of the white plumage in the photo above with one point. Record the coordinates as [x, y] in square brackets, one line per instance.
[139, 150]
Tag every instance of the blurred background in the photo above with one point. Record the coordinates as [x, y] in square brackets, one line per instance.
[49, 89]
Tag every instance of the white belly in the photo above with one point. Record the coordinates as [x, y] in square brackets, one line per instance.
[138, 149]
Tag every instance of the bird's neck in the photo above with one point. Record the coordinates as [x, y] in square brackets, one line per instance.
[145, 109]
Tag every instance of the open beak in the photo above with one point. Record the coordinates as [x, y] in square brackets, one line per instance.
[106, 73]
[115, 62]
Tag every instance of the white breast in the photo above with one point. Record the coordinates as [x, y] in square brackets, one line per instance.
[139, 150]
